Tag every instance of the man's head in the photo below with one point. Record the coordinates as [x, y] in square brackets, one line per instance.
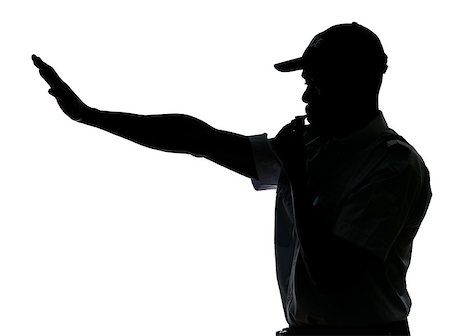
[343, 68]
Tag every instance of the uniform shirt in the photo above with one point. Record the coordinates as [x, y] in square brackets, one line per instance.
[373, 190]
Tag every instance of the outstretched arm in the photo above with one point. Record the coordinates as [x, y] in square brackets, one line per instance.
[175, 133]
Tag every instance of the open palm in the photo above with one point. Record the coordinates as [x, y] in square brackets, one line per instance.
[66, 98]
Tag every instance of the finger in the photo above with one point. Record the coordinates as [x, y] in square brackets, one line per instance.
[299, 120]
[47, 78]
[46, 70]
[38, 62]
[48, 73]
[53, 80]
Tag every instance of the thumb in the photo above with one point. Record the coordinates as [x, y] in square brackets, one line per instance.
[56, 92]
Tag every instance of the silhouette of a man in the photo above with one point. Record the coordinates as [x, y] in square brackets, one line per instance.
[351, 192]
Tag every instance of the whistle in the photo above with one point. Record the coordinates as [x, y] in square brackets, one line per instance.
[299, 122]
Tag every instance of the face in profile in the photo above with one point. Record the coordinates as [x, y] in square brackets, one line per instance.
[323, 99]
[337, 101]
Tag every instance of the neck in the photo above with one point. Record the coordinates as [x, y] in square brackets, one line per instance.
[353, 120]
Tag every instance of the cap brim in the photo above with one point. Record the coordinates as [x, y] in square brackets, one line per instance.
[291, 65]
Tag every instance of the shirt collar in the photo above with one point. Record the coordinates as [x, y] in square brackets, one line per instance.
[363, 136]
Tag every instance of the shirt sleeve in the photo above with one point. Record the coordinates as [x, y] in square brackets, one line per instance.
[374, 215]
[267, 166]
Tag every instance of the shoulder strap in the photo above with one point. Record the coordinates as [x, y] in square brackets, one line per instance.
[392, 139]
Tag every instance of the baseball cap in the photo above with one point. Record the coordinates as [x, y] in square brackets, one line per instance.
[349, 46]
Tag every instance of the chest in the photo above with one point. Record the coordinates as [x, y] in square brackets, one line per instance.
[332, 176]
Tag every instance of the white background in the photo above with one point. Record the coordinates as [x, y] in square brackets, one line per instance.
[100, 236]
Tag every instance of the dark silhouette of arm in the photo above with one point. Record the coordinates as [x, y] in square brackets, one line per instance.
[176, 133]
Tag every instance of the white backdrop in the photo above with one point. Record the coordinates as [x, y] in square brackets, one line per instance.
[100, 236]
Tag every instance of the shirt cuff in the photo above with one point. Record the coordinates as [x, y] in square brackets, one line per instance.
[267, 166]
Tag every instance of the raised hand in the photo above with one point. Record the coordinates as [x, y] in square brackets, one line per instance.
[66, 98]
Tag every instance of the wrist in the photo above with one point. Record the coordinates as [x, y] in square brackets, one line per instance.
[85, 113]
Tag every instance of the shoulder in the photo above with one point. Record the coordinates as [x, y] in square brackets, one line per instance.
[392, 139]
[400, 155]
